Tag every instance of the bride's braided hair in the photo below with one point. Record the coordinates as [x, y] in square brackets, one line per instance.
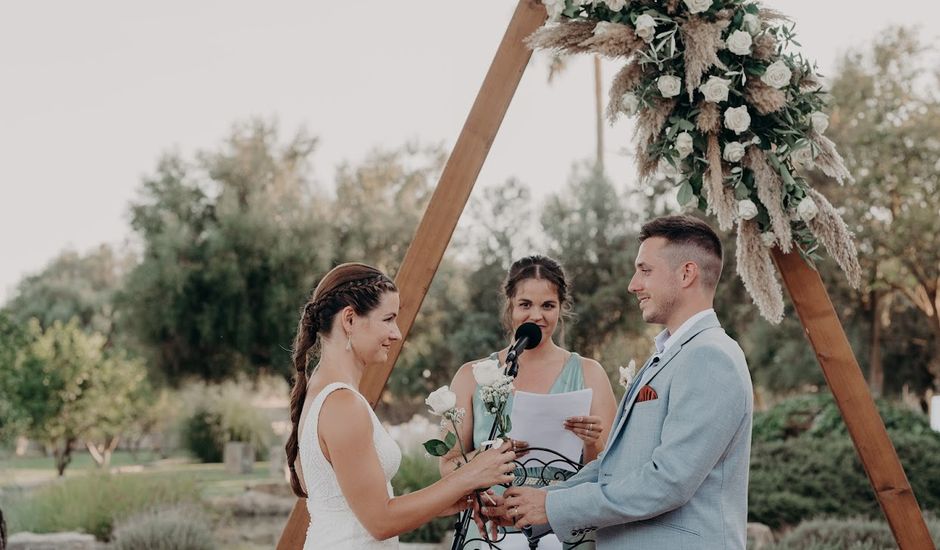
[355, 285]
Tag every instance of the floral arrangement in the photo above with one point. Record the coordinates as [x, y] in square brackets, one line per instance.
[495, 388]
[724, 106]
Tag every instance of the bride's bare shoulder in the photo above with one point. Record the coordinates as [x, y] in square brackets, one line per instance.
[343, 411]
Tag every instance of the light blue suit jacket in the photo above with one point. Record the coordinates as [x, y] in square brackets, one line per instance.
[675, 470]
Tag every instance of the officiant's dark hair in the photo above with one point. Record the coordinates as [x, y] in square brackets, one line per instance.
[537, 267]
[359, 286]
[694, 235]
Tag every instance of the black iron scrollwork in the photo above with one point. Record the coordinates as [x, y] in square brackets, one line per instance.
[536, 471]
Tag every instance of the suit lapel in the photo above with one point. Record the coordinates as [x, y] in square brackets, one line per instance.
[650, 372]
[623, 401]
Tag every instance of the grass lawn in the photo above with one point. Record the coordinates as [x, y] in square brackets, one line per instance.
[19, 473]
[25, 495]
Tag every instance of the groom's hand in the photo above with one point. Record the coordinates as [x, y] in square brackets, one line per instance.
[496, 511]
[526, 506]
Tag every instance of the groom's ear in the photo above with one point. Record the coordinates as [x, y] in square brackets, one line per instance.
[689, 274]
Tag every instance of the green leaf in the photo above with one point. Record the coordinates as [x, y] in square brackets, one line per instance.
[507, 423]
[685, 193]
[436, 447]
[741, 192]
[450, 440]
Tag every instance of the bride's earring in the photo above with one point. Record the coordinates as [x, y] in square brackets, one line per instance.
[348, 343]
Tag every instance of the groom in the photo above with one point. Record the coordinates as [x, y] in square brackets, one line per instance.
[675, 471]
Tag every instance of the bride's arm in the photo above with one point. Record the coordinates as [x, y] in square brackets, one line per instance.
[345, 428]
[463, 385]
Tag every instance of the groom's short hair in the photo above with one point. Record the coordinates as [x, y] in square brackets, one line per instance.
[690, 239]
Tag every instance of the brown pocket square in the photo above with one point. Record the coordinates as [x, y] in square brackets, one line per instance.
[647, 393]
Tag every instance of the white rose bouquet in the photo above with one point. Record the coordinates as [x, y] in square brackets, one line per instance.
[495, 389]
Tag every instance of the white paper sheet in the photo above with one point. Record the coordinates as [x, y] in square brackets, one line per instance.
[539, 420]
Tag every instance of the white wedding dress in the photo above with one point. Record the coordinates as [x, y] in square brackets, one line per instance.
[332, 523]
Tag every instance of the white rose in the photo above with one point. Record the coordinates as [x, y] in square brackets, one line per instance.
[737, 119]
[803, 156]
[645, 27]
[820, 121]
[768, 239]
[667, 169]
[604, 28]
[554, 8]
[629, 103]
[628, 373]
[739, 42]
[684, 144]
[734, 151]
[487, 373]
[747, 210]
[441, 400]
[697, 6]
[669, 85]
[752, 23]
[807, 209]
[777, 75]
[616, 5]
[716, 89]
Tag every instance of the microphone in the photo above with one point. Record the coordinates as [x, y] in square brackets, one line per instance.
[527, 336]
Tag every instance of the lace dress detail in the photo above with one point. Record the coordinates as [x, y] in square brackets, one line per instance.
[332, 522]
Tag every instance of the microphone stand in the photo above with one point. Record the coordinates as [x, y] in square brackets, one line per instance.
[462, 524]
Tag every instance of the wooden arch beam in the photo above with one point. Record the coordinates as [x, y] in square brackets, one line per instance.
[809, 296]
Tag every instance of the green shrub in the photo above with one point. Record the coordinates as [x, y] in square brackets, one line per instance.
[805, 477]
[202, 434]
[221, 414]
[816, 415]
[178, 528]
[838, 534]
[789, 418]
[93, 503]
[418, 471]
[846, 534]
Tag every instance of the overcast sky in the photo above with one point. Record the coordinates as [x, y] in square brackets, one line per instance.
[93, 92]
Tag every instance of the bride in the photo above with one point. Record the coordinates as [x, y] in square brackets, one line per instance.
[341, 458]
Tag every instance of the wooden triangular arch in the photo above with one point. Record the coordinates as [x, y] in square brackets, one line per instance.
[806, 289]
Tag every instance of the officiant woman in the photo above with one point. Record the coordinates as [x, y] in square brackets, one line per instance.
[537, 291]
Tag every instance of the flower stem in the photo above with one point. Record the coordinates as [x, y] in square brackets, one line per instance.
[463, 452]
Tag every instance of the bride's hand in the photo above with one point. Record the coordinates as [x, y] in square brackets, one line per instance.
[492, 467]
[461, 504]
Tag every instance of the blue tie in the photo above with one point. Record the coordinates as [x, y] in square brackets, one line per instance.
[636, 381]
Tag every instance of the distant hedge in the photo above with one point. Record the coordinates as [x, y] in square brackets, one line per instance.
[804, 466]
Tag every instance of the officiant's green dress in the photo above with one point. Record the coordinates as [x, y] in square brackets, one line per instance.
[570, 379]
